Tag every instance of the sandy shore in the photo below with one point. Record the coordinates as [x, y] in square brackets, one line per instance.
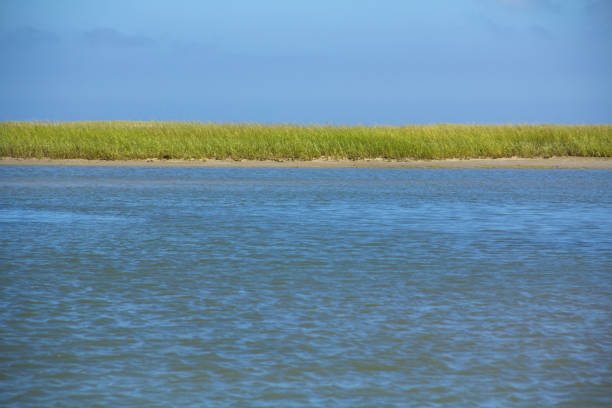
[510, 163]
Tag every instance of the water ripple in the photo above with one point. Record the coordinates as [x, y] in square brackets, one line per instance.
[308, 287]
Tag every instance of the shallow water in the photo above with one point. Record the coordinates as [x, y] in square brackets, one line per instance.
[305, 287]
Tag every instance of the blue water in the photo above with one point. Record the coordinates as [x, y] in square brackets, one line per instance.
[305, 287]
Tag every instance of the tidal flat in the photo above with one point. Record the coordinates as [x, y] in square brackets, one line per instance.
[503, 163]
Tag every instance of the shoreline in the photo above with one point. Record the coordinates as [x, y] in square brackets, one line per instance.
[502, 163]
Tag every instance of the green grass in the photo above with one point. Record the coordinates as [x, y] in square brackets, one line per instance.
[179, 140]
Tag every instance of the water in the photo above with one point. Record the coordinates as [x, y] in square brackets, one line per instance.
[305, 287]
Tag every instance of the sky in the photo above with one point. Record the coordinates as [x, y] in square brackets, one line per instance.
[372, 62]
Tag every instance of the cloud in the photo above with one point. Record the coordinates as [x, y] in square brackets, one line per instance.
[601, 8]
[497, 28]
[27, 37]
[541, 31]
[550, 5]
[108, 37]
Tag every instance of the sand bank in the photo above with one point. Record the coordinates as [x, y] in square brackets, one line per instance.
[505, 163]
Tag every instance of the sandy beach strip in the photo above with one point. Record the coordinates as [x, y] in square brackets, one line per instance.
[504, 163]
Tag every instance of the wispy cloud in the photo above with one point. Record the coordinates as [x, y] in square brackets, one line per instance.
[109, 37]
[541, 31]
[28, 37]
[542, 4]
[601, 8]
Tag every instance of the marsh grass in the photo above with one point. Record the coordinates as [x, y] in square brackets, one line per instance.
[180, 140]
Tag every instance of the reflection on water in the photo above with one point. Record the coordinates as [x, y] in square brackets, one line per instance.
[343, 287]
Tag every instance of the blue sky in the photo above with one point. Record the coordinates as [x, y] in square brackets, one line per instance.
[316, 61]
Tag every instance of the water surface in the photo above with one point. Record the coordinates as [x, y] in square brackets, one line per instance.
[305, 287]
